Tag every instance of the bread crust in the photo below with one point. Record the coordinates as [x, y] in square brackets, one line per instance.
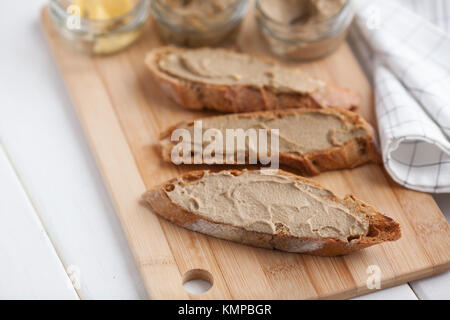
[350, 155]
[381, 228]
[242, 98]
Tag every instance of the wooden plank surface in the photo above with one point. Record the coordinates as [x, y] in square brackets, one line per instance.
[44, 141]
[123, 112]
[30, 268]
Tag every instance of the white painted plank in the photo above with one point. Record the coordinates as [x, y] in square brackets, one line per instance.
[46, 144]
[433, 288]
[443, 201]
[41, 132]
[402, 292]
[436, 287]
[30, 267]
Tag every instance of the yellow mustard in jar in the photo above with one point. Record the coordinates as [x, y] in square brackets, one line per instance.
[104, 9]
[106, 26]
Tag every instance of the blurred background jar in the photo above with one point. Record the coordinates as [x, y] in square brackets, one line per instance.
[304, 29]
[196, 23]
[99, 26]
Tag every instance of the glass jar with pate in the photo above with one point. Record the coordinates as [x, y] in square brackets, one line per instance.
[196, 23]
[304, 29]
[99, 26]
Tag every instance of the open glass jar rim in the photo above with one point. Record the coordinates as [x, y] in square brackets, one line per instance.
[331, 19]
[288, 31]
[61, 9]
[229, 16]
[120, 27]
[200, 25]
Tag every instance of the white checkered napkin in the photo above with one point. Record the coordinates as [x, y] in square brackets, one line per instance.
[410, 63]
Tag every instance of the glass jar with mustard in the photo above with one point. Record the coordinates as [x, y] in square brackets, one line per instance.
[304, 29]
[196, 23]
[99, 26]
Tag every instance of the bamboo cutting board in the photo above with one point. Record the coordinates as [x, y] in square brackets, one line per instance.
[122, 112]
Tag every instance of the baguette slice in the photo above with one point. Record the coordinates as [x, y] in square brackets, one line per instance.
[271, 209]
[242, 98]
[304, 128]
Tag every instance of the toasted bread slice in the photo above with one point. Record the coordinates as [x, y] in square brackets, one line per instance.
[310, 140]
[241, 97]
[271, 209]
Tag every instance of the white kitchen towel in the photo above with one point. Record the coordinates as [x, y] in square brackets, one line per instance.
[409, 58]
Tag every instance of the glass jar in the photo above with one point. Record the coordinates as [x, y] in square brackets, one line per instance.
[198, 23]
[300, 38]
[99, 27]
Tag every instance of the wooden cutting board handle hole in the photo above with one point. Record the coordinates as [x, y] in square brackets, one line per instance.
[197, 281]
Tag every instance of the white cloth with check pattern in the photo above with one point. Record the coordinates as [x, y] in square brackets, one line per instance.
[409, 59]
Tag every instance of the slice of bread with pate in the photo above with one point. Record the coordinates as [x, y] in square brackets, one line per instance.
[309, 140]
[271, 209]
[229, 81]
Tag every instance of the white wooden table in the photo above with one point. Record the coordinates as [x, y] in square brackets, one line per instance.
[59, 235]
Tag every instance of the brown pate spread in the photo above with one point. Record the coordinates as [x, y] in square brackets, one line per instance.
[304, 12]
[198, 13]
[269, 202]
[307, 25]
[225, 67]
[299, 133]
